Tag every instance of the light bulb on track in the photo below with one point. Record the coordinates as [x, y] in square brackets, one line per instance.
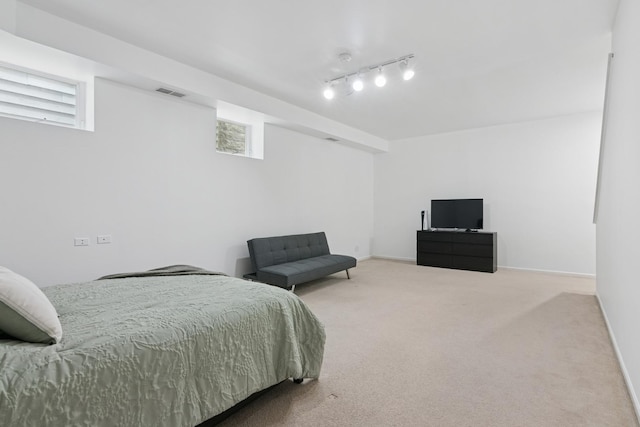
[380, 80]
[357, 84]
[329, 92]
[407, 71]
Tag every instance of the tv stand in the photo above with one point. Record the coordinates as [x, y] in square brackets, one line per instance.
[477, 251]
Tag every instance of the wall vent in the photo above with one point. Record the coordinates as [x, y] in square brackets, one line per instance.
[170, 92]
[332, 139]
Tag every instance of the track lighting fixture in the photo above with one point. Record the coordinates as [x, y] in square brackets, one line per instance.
[354, 81]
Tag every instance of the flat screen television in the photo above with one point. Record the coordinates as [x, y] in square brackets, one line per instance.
[457, 213]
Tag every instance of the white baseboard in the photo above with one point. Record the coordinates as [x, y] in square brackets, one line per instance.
[394, 258]
[562, 273]
[625, 373]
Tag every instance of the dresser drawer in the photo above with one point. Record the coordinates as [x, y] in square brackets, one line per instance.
[434, 247]
[477, 238]
[473, 263]
[472, 250]
[434, 236]
[435, 260]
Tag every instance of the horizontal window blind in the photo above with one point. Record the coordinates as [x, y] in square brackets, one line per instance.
[36, 98]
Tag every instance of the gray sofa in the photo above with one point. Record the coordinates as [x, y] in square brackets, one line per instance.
[286, 261]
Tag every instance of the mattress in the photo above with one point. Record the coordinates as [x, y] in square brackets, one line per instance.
[161, 351]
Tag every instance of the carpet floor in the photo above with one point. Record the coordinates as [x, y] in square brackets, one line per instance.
[417, 346]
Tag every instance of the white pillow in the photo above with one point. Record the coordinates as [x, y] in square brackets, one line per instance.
[25, 311]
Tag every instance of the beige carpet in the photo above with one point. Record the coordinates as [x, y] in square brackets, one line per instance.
[418, 346]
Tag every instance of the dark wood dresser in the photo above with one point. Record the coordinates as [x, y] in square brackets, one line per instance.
[477, 251]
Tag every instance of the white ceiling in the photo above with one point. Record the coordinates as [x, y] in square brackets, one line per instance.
[478, 62]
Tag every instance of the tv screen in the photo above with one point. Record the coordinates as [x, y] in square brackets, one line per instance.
[457, 213]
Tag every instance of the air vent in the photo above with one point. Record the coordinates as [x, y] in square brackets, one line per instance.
[170, 92]
[332, 139]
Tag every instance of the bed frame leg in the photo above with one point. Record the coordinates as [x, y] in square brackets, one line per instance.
[348, 277]
[297, 380]
[293, 288]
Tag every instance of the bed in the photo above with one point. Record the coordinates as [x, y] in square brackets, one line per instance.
[157, 350]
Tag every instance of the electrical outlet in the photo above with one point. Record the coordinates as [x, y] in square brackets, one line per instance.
[81, 241]
[104, 238]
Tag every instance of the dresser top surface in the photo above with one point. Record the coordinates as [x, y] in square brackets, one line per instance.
[456, 232]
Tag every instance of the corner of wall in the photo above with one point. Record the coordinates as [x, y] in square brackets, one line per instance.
[627, 378]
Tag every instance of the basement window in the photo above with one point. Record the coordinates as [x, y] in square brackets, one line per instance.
[239, 131]
[33, 96]
[233, 138]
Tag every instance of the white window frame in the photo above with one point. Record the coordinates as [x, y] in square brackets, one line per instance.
[27, 92]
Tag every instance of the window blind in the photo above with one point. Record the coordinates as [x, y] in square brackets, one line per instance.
[37, 98]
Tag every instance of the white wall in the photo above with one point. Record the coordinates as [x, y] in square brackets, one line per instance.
[618, 251]
[150, 176]
[537, 180]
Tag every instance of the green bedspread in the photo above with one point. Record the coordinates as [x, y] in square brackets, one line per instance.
[157, 351]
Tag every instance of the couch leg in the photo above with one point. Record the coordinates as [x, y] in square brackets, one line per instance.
[348, 277]
[293, 288]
